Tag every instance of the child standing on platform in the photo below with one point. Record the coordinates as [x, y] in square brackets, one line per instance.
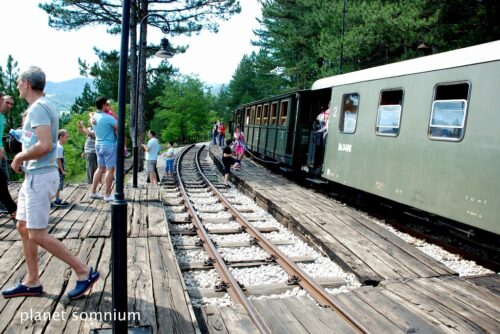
[62, 138]
[170, 155]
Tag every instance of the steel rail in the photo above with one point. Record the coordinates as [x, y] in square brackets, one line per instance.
[233, 288]
[305, 281]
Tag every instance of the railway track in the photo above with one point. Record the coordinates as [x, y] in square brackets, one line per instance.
[195, 184]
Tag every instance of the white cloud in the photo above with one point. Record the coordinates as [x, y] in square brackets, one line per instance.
[28, 38]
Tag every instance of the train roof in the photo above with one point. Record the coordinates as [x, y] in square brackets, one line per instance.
[461, 57]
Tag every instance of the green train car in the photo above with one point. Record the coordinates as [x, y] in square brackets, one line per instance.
[424, 133]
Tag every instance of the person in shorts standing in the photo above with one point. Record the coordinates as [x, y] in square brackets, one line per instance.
[89, 151]
[152, 150]
[63, 136]
[37, 160]
[105, 127]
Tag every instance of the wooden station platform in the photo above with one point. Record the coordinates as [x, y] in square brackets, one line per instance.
[437, 305]
[156, 292]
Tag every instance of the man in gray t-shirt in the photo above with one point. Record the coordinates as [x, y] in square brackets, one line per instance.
[39, 136]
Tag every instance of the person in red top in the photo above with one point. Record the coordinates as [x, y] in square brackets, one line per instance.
[222, 133]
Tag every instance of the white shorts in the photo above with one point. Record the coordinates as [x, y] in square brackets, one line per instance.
[35, 195]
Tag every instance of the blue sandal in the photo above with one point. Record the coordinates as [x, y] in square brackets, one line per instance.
[84, 285]
[21, 290]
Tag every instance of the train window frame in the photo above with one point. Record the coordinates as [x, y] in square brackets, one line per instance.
[343, 112]
[258, 115]
[450, 129]
[247, 115]
[252, 115]
[400, 111]
[283, 120]
[273, 119]
[265, 114]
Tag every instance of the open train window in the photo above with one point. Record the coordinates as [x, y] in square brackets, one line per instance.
[274, 113]
[252, 115]
[259, 115]
[265, 114]
[389, 112]
[247, 116]
[283, 112]
[349, 113]
[449, 110]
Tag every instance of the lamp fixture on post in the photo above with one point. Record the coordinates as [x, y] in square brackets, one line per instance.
[165, 53]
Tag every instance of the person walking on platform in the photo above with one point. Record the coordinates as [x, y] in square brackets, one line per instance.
[40, 184]
[228, 161]
[6, 104]
[239, 145]
[105, 146]
[152, 150]
[89, 151]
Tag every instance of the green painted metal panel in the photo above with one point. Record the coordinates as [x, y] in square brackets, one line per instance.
[457, 180]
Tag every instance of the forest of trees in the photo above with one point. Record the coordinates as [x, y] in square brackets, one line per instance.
[299, 42]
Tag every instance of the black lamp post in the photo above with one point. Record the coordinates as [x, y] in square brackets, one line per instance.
[119, 205]
[164, 52]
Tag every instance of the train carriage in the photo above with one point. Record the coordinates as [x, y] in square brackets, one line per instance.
[278, 129]
[423, 132]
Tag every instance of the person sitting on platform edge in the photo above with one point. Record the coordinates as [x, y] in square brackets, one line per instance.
[228, 161]
[38, 188]
[63, 136]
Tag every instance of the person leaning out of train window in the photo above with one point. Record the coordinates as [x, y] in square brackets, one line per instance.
[222, 134]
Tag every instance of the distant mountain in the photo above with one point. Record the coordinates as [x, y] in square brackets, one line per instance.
[63, 94]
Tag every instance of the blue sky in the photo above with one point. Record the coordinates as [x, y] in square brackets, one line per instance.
[28, 38]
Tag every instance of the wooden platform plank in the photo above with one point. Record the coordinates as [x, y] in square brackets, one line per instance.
[237, 321]
[367, 315]
[157, 223]
[407, 317]
[174, 314]
[272, 320]
[452, 304]
[140, 281]
[451, 321]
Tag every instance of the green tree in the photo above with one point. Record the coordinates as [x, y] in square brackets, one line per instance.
[104, 72]
[185, 17]
[84, 101]
[185, 111]
[9, 86]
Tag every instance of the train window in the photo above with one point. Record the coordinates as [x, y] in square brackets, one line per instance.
[259, 115]
[274, 113]
[389, 113]
[449, 110]
[265, 114]
[283, 112]
[349, 113]
[252, 115]
[247, 116]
